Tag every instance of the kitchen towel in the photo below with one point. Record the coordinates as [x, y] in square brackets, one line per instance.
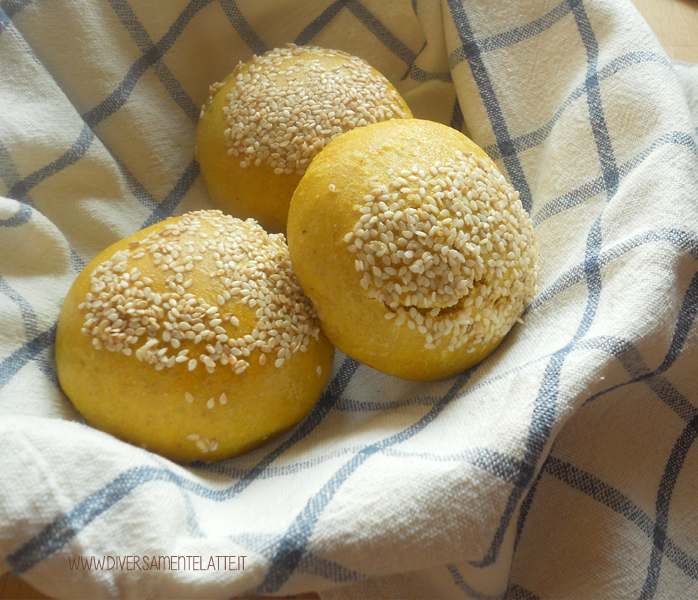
[563, 466]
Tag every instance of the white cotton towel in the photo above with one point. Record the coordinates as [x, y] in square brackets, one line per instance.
[564, 466]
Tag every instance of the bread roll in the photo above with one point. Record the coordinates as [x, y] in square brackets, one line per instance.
[266, 121]
[192, 338]
[416, 252]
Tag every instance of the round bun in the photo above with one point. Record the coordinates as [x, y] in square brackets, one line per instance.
[417, 254]
[192, 338]
[267, 120]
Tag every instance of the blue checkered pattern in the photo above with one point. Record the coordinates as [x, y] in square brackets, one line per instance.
[562, 466]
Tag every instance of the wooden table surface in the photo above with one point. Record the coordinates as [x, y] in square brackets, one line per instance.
[674, 22]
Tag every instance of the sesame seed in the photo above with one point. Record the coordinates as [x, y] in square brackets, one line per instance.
[223, 399]
[189, 398]
[252, 267]
[287, 126]
[443, 247]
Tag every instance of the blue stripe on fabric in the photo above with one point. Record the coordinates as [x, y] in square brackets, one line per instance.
[64, 528]
[526, 507]
[319, 23]
[20, 189]
[139, 35]
[601, 492]
[316, 566]
[14, 7]
[29, 351]
[518, 592]
[31, 323]
[543, 417]
[420, 75]
[514, 36]
[167, 207]
[672, 397]
[596, 112]
[411, 64]
[380, 31]
[640, 373]
[632, 362]
[235, 472]
[4, 20]
[6, 23]
[682, 63]
[8, 171]
[667, 484]
[136, 187]
[537, 137]
[469, 591]
[507, 468]
[242, 27]
[687, 314]
[489, 99]
[22, 216]
[575, 197]
[681, 239]
[386, 37]
[31, 331]
[311, 564]
[123, 91]
[293, 544]
[77, 261]
[193, 528]
[10, 176]
[348, 405]
[457, 116]
[684, 322]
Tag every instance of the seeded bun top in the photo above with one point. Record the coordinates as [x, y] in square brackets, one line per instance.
[263, 125]
[123, 312]
[192, 337]
[409, 229]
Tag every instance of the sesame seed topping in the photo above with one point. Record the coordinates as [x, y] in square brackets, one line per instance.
[252, 276]
[286, 124]
[448, 249]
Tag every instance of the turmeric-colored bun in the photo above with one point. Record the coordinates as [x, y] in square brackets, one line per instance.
[192, 338]
[417, 254]
[267, 120]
